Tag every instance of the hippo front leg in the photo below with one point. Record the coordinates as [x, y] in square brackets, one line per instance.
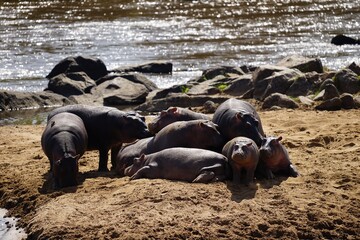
[292, 171]
[249, 176]
[269, 174]
[142, 172]
[114, 152]
[103, 160]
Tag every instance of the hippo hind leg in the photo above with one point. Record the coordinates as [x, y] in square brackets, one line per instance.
[141, 173]
[208, 174]
[204, 177]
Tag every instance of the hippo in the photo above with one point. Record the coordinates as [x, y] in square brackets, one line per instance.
[107, 128]
[274, 159]
[64, 141]
[192, 134]
[238, 118]
[174, 114]
[243, 156]
[182, 164]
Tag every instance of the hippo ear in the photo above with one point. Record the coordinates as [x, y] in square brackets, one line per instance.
[172, 110]
[141, 158]
[239, 116]
[279, 139]
[249, 144]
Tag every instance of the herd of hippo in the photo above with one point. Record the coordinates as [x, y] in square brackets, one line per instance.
[179, 144]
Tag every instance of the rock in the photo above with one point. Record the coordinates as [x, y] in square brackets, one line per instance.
[301, 63]
[120, 91]
[355, 68]
[357, 101]
[343, 40]
[306, 101]
[347, 101]
[159, 67]
[222, 70]
[11, 100]
[326, 82]
[300, 87]
[279, 82]
[347, 81]
[178, 100]
[280, 100]
[208, 87]
[265, 71]
[320, 96]
[68, 84]
[240, 85]
[330, 92]
[162, 93]
[133, 77]
[209, 107]
[93, 67]
[330, 105]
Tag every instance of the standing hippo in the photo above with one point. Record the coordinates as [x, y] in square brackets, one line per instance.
[239, 118]
[192, 134]
[243, 156]
[183, 164]
[64, 141]
[274, 159]
[107, 129]
[174, 114]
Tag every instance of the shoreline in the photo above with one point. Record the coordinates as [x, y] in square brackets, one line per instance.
[321, 203]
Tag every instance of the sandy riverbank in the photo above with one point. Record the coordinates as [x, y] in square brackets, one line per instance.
[324, 202]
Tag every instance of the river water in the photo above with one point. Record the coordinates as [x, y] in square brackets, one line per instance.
[193, 35]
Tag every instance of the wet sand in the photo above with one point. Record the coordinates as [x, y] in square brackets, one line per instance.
[323, 203]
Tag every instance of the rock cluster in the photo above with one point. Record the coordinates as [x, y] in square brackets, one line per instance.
[293, 82]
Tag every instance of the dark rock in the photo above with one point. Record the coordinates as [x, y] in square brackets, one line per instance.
[162, 93]
[133, 77]
[326, 82]
[71, 84]
[223, 70]
[94, 68]
[300, 87]
[303, 64]
[265, 71]
[330, 92]
[178, 100]
[320, 96]
[347, 101]
[279, 82]
[10, 100]
[330, 105]
[120, 91]
[240, 85]
[343, 40]
[209, 107]
[347, 81]
[280, 100]
[355, 68]
[159, 67]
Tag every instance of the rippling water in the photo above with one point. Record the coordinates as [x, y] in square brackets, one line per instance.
[194, 35]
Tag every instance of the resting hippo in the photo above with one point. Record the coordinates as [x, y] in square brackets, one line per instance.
[274, 159]
[183, 164]
[64, 141]
[174, 114]
[107, 129]
[192, 134]
[238, 118]
[243, 156]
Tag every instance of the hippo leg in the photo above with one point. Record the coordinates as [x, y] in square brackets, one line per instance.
[204, 177]
[249, 176]
[142, 172]
[114, 152]
[269, 174]
[292, 171]
[103, 160]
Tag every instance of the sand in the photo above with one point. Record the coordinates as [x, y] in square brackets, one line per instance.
[323, 203]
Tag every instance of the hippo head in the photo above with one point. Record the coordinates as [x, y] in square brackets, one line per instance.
[128, 127]
[138, 163]
[246, 125]
[269, 147]
[165, 118]
[65, 171]
[241, 151]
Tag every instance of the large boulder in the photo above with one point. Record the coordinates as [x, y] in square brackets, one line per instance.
[11, 100]
[68, 84]
[133, 77]
[347, 81]
[121, 91]
[330, 105]
[355, 68]
[347, 101]
[159, 67]
[279, 100]
[344, 40]
[93, 67]
[301, 63]
[240, 85]
[222, 70]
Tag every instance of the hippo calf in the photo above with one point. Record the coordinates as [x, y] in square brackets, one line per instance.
[239, 118]
[107, 128]
[174, 114]
[243, 157]
[183, 164]
[64, 141]
[274, 159]
[201, 134]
